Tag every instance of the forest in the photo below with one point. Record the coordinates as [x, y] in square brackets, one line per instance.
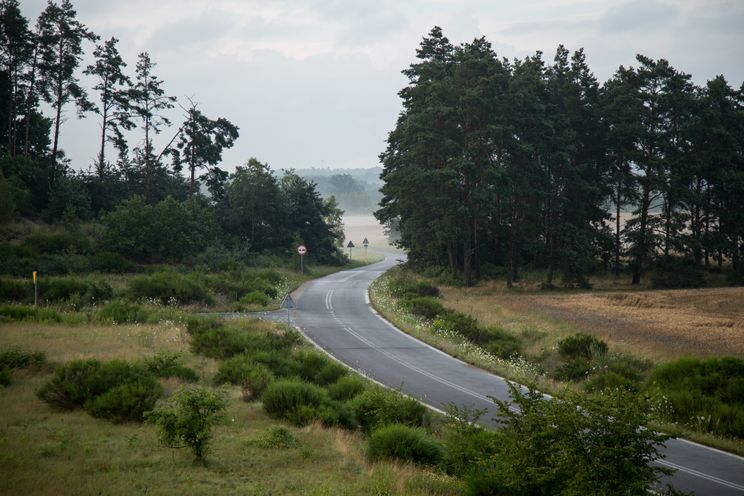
[495, 165]
[148, 204]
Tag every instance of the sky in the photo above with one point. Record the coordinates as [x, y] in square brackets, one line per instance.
[314, 83]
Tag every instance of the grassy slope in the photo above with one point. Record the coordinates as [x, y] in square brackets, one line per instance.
[47, 452]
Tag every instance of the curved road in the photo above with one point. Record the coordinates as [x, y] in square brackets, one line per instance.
[335, 314]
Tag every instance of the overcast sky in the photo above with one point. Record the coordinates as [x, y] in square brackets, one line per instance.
[314, 83]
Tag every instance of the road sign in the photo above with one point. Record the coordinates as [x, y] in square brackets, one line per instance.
[350, 245]
[302, 250]
[365, 242]
[288, 302]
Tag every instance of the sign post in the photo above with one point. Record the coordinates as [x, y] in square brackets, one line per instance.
[302, 251]
[350, 246]
[36, 291]
[289, 304]
[366, 244]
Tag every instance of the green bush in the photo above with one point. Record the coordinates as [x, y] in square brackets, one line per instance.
[126, 389]
[406, 285]
[706, 394]
[574, 369]
[31, 313]
[65, 242]
[501, 343]
[187, 418]
[125, 402]
[463, 324]
[6, 376]
[106, 261]
[169, 364]
[18, 290]
[245, 371]
[317, 368]
[168, 288]
[80, 291]
[378, 407]
[465, 442]
[256, 297]
[223, 341]
[346, 387]
[285, 398]
[17, 359]
[677, 273]
[328, 413]
[123, 312]
[581, 346]
[278, 437]
[425, 306]
[402, 442]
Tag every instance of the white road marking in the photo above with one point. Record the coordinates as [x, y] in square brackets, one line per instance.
[702, 475]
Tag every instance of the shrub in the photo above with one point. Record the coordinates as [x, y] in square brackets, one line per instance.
[80, 291]
[107, 261]
[425, 306]
[168, 288]
[501, 343]
[223, 341]
[17, 359]
[285, 398]
[317, 368]
[169, 364]
[21, 291]
[405, 285]
[187, 418]
[5, 376]
[329, 413]
[278, 437]
[575, 369]
[256, 297]
[401, 442]
[378, 407]
[126, 402]
[81, 382]
[65, 242]
[462, 324]
[581, 346]
[707, 394]
[677, 273]
[243, 370]
[30, 313]
[346, 388]
[123, 312]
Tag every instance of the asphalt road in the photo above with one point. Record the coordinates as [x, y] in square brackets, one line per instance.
[334, 313]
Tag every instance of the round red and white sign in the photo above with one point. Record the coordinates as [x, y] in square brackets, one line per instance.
[301, 250]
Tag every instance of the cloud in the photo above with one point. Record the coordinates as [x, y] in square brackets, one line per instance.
[638, 15]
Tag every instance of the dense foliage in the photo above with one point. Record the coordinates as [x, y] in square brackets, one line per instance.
[149, 211]
[511, 163]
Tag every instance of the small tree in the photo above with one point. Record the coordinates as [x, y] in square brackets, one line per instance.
[186, 419]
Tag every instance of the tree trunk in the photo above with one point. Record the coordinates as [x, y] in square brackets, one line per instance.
[641, 244]
[101, 154]
[192, 167]
[452, 257]
[29, 103]
[59, 102]
[618, 203]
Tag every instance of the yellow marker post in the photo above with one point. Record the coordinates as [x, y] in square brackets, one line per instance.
[36, 291]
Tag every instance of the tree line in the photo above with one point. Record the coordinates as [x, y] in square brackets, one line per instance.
[41, 64]
[514, 163]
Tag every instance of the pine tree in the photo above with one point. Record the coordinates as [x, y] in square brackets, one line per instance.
[114, 88]
[147, 101]
[61, 37]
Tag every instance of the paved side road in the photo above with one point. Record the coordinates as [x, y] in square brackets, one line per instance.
[334, 313]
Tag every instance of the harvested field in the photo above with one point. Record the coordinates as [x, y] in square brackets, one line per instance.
[659, 325]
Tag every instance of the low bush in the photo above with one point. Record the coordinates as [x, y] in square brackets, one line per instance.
[170, 364]
[110, 262]
[317, 368]
[168, 288]
[408, 286]
[402, 442]
[426, 306]
[65, 242]
[127, 390]
[285, 398]
[219, 340]
[463, 324]
[257, 298]
[378, 407]
[17, 359]
[501, 343]
[581, 346]
[76, 290]
[346, 388]
[20, 313]
[5, 376]
[677, 273]
[706, 394]
[245, 371]
[278, 437]
[188, 417]
[17, 290]
[124, 312]
[328, 413]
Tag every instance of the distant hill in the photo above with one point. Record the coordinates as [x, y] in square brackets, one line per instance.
[356, 190]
